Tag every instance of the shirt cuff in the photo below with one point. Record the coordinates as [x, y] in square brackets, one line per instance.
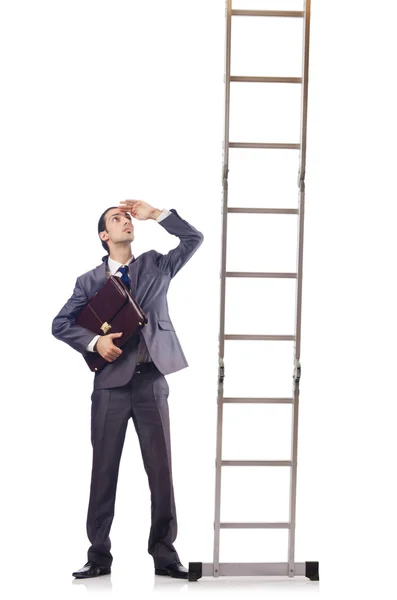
[165, 212]
[92, 343]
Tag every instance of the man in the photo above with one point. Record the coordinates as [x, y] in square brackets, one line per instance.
[133, 383]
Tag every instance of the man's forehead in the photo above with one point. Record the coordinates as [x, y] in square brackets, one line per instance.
[118, 213]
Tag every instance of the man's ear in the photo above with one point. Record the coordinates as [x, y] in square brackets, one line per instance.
[104, 236]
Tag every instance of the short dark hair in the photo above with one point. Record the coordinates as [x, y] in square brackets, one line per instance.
[102, 226]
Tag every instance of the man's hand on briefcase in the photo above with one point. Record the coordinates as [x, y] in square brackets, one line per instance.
[106, 348]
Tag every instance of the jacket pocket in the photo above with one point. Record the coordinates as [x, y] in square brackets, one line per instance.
[165, 324]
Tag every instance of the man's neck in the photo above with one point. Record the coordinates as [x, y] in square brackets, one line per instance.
[121, 255]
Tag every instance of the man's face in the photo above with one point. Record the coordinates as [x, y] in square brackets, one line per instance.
[119, 227]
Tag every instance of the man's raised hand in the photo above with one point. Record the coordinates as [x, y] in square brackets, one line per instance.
[139, 209]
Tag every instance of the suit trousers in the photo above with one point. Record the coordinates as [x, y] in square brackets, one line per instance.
[145, 399]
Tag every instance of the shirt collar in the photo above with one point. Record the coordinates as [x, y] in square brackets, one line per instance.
[114, 265]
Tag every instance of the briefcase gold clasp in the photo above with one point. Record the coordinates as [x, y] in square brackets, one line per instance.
[106, 327]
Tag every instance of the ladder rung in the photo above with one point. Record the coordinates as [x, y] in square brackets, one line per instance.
[256, 463]
[267, 13]
[256, 79]
[255, 525]
[258, 400]
[260, 211]
[252, 569]
[260, 274]
[260, 337]
[260, 145]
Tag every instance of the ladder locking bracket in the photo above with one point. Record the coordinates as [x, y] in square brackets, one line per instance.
[297, 371]
[221, 372]
[225, 171]
[301, 177]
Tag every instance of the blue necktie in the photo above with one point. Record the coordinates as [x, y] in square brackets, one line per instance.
[125, 278]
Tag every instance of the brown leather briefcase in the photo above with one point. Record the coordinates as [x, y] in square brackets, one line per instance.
[111, 310]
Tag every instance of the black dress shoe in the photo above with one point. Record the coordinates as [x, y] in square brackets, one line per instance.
[91, 569]
[175, 569]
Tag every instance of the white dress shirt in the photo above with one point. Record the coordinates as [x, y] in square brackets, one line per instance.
[143, 354]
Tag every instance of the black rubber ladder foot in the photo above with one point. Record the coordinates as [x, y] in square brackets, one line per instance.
[195, 571]
[312, 571]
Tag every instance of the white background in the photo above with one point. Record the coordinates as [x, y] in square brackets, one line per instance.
[104, 101]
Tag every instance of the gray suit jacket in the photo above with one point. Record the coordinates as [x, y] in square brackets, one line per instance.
[150, 274]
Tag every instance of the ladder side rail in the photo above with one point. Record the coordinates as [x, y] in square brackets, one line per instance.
[225, 168]
[299, 271]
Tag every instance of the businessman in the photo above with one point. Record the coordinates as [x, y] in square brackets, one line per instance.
[133, 383]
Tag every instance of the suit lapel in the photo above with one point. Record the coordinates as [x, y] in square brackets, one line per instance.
[133, 272]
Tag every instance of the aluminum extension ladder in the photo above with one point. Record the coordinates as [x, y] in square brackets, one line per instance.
[289, 568]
